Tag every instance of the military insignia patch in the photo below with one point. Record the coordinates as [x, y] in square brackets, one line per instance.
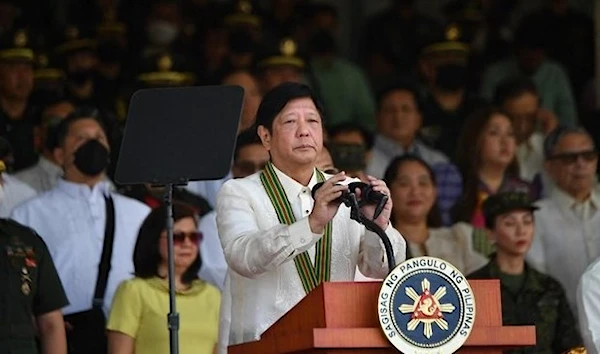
[426, 306]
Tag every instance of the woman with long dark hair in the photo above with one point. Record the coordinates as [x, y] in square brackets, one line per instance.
[137, 321]
[486, 157]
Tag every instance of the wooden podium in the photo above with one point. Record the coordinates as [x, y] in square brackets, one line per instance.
[342, 318]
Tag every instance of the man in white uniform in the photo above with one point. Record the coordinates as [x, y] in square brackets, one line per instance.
[567, 232]
[12, 191]
[280, 243]
[44, 175]
[249, 157]
[71, 219]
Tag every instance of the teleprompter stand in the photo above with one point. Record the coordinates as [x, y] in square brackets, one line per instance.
[173, 136]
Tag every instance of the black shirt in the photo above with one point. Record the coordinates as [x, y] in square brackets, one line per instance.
[30, 286]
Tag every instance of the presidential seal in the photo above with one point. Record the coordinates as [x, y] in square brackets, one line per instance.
[426, 306]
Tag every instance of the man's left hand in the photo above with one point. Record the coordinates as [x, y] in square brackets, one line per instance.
[368, 210]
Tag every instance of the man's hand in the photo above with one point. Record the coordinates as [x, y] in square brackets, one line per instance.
[325, 206]
[368, 210]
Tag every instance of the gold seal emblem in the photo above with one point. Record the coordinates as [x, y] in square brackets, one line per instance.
[288, 47]
[165, 63]
[427, 308]
[20, 39]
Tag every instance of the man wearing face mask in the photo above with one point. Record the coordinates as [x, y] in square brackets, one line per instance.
[80, 220]
[446, 102]
[79, 53]
[163, 26]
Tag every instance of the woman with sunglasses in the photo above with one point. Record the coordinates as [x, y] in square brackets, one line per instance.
[137, 321]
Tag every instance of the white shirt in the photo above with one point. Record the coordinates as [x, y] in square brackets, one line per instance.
[567, 239]
[453, 244]
[71, 219]
[208, 189]
[530, 155]
[262, 281]
[214, 266]
[12, 193]
[588, 307]
[42, 176]
[385, 150]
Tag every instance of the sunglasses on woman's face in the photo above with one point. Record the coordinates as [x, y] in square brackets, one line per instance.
[194, 237]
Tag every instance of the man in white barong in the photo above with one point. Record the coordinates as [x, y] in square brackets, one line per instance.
[278, 241]
[567, 233]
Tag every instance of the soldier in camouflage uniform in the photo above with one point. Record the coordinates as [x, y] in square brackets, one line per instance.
[528, 296]
[31, 295]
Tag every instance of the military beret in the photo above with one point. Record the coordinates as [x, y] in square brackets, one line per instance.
[502, 203]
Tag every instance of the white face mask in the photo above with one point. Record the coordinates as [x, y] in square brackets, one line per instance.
[162, 32]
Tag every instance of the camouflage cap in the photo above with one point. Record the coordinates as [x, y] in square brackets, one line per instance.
[503, 203]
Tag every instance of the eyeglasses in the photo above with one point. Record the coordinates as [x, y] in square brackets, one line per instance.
[570, 158]
[194, 237]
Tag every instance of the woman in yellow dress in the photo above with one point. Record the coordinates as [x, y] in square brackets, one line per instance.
[138, 319]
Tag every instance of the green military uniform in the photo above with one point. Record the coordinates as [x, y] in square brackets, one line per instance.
[30, 287]
[535, 299]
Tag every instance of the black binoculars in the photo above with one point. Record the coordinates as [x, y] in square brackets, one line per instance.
[368, 196]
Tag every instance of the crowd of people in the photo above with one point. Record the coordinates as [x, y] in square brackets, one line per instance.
[481, 128]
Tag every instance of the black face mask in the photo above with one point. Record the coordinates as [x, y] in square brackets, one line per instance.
[451, 77]
[92, 158]
[80, 77]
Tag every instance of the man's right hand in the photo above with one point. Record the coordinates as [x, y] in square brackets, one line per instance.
[325, 206]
